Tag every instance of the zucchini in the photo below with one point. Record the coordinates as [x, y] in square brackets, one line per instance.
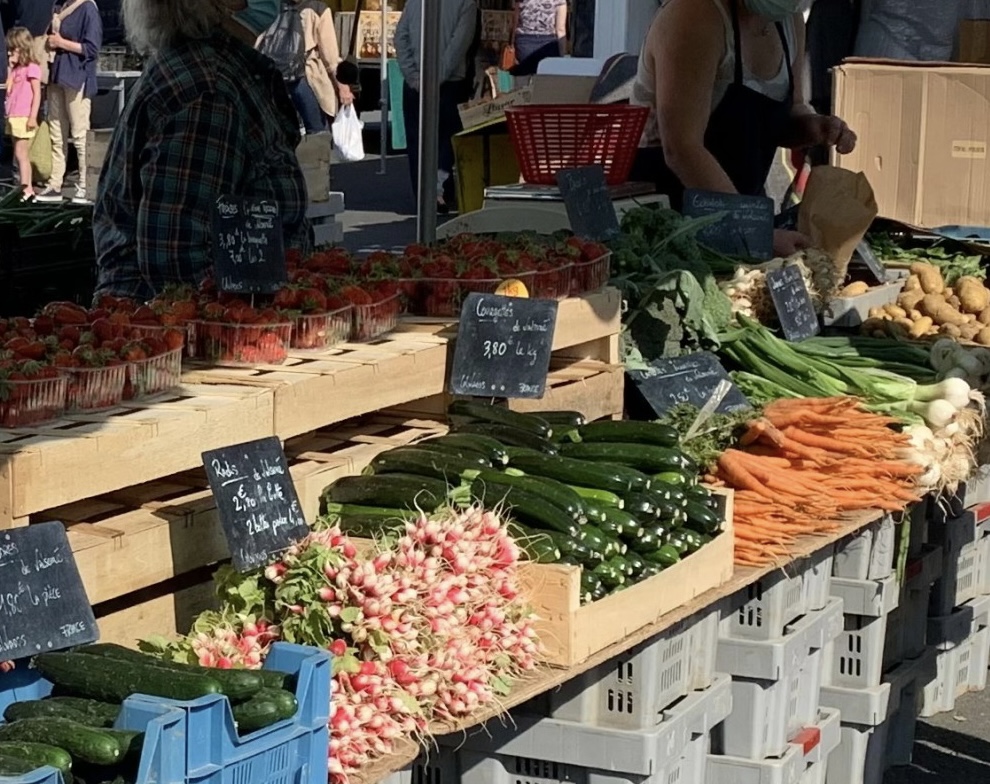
[539, 547]
[676, 540]
[665, 555]
[86, 744]
[590, 585]
[105, 712]
[636, 564]
[114, 680]
[488, 448]
[557, 493]
[649, 541]
[629, 432]
[401, 491]
[702, 519]
[284, 700]
[510, 436]
[602, 591]
[698, 493]
[642, 506]
[693, 540]
[466, 411]
[563, 420]
[572, 549]
[580, 473]
[670, 493]
[650, 569]
[650, 459]
[621, 564]
[423, 462]
[365, 526]
[39, 755]
[594, 539]
[528, 508]
[255, 714]
[15, 766]
[675, 478]
[601, 497]
[620, 523]
[610, 574]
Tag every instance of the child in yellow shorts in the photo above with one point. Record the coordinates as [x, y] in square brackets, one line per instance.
[23, 100]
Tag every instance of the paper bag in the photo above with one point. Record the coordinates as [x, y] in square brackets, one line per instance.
[836, 212]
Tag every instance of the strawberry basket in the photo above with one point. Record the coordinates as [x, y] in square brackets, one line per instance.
[444, 297]
[378, 318]
[553, 283]
[588, 276]
[242, 344]
[322, 330]
[94, 389]
[139, 331]
[31, 402]
[147, 377]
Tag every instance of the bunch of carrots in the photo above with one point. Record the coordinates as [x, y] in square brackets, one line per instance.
[803, 464]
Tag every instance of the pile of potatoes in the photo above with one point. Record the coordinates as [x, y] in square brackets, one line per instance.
[926, 306]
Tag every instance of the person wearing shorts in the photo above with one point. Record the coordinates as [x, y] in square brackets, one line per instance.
[23, 100]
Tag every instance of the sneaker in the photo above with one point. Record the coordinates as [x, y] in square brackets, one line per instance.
[80, 198]
[49, 195]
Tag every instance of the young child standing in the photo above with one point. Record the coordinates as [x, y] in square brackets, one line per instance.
[23, 100]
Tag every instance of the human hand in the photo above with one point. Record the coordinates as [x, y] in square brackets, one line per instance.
[829, 131]
[346, 94]
[55, 42]
[32, 123]
[787, 243]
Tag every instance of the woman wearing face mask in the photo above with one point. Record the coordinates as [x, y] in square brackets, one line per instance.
[210, 117]
[724, 80]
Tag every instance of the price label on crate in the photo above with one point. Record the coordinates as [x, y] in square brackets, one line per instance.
[746, 228]
[248, 251]
[792, 302]
[256, 500]
[588, 204]
[689, 380]
[43, 604]
[503, 347]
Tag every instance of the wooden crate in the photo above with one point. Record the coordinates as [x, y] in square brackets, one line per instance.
[571, 633]
[82, 456]
[313, 390]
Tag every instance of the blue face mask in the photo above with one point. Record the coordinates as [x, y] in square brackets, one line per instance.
[259, 15]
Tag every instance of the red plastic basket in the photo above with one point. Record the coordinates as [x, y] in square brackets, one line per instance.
[550, 138]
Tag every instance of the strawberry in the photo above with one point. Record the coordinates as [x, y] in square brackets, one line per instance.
[17, 344]
[356, 295]
[44, 325]
[99, 313]
[213, 311]
[20, 324]
[102, 328]
[144, 315]
[65, 313]
[35, 350]
[287, 299]
[271, 348]
[62, 359]
[154, 345]
[312, 301]
[293, 258]
[174, 339]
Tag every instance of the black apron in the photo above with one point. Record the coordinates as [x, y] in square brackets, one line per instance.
[743, 134]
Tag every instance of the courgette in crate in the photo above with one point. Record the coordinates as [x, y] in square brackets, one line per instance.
[601, 497]
[114, 680]
[284, 700]
[618, 522]
[693, 540]
[580, 473]
[510, 437]
[15, 766]
[571, 548]
[488, 448]
[423, 462]
[649, 541]
[591, 584]
[610, 574]
[629, 432]
[538, 546]
[401, 491]
[86, 744]
[649, 459]
[367, 526]
[557, 493]
[676, 540]
[105, 712]
[676, 478]
[526, 507]
[466, 411]
[702, 519]
[665, 555]
[563, 420]
[255, 714]
[39, 755]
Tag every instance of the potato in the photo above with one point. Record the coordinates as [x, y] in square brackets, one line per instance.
[970, 331]
[909, 300]
[950, 330]
[973, 294]
[914, 315]
[895, 311]
[984, 317]
[983, 336]
[854, 289]
[949, 292]
[874, 324]
[876, 312]
[913, 283]
[954, 301]
[921, 327]
[930, 277]
[941, 311]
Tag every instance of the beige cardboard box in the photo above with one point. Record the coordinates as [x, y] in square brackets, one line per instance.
[475, 113]
[974, 41]
[924, 130]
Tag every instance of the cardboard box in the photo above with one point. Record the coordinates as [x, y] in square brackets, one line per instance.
[484, 110]
[924, 132]
[974, 41]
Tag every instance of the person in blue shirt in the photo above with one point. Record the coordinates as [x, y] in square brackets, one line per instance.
[74, 42]
[36, 16]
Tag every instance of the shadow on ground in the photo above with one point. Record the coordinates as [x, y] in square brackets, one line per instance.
[943, 754]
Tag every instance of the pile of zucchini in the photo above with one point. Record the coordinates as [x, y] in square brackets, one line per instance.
[73, 729]
[617, 498]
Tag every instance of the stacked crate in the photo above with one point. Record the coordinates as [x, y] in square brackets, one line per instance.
[773, 638]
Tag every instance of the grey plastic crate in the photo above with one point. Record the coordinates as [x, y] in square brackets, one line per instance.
[851, 312]
[763, 609]
[439, 767]
[860, 757]
[857, 660]
[868, 596]
[869, 555]
[918, 517]
[704, 646]
[817, 579]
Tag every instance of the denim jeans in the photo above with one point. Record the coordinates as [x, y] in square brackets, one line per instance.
[308, 107]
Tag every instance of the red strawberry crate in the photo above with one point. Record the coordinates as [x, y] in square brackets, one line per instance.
[139, 331]
[591, 275]
[152, 376]
[94, 389]
[550, 138]
[377, 319]
[444, 297]
[322, 330]
[31, 402]
[553, 283]
[242, 344]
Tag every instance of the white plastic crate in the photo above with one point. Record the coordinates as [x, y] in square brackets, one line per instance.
[632, 690]
[814, 748]
[771, 660]
[872, 597]
[960, 563]
[869, 555]
[818, 579]
[951, 666]
[704, 646]
[865, 706]
[909, 680]
[860, 757]
[440, 766]
[917, 518]
[983, 566]
[981, 643]
[815, 774]
[857, 659]
[763, 609]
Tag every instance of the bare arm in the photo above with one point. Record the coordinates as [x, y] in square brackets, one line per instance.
[515, 22]
[35, 103]
[560, 27]
[687, 49]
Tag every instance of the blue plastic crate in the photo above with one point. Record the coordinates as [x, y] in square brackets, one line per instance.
[196, 742]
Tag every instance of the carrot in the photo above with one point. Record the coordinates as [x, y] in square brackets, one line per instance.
[754, 430]
[730, 464]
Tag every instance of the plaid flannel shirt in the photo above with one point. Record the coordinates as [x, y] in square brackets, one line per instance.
[208, 118]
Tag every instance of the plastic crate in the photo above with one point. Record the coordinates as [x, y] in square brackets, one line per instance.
[873, 598]
[29, 403]
[704, 647]
[814, 747]
[869, 555]
[373, 321]
[857, 659]
[772, 660]
[860, 757]
[588, 276]
[94, 389]
[817, 579]
[444, 297]
[917, 518]
[908, 681]
[152, 376]
[851, 312]
[322, 330]
[981, 643]
[554, 283]
[242, 344]
[763, 609]
[548, 139]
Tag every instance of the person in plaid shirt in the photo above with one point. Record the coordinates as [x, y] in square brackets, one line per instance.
[209, 117]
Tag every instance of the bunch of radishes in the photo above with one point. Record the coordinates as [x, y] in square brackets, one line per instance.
[243, 644]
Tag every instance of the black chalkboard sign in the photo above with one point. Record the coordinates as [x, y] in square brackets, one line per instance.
[256, 500]
[688, 380]
[747, 228]
[43, 605]
[588, 203]
[792, 301]
[873, 264]
[503, 347]
[248, 251]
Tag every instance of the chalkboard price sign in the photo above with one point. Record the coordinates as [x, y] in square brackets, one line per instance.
[747, 228]
[688, 380]
[792, 301]
[873, 264]
[588, 204]
[256, 500]
[248, 252]
[43, 605]
[503, 347]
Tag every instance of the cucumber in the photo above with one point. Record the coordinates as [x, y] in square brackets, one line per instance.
[528, 508]
[665, 555]
[488, 448]
[649, 541]
[466, 411]
[235, 684]
[702, 519]
[276, 679]
[510, 436]
[563, 420]
[423, 462]
[38, 709]
[573, 549]
[86, 744]
[39, 755]
[114, 680]
[629, 432]
[255, 714]
[539, 547]
[590, 585]
[601, 497]
[105, 712]
[620, 523]
[284, 700]
[15, 766]
[401, 491]
[365, 526]
[580, 473]
[650, 459]
[557, 493]
[611, 575]
[675, 478]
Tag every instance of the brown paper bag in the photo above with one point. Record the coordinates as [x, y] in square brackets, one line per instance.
[836, 212]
